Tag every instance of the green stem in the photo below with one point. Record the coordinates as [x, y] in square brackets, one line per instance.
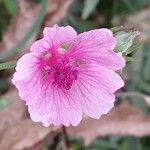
[7, 65]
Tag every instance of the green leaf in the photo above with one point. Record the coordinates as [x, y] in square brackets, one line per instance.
[134, 143]
[4, 84]
[133, 48]
[89, 7]
[146, 68]
[11, 6]
[125, 40]
[129, 58]
[7, 53]
[7, 65]
[117, 29]
[129, 5]
[102, 144]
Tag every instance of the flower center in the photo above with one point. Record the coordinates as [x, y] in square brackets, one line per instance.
[63, 73]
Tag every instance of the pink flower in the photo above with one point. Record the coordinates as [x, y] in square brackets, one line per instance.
[65, 75]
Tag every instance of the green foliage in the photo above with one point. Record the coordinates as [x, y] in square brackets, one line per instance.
[8, 8]
[7, 65]
[128, 58]
[117, 143]
[139, 70]
[4, 84]
[80, 11]
[4, 18]
[7, 53]
[103, 144]
[76, 143]
[125, 40]
[11, 6]
[122, 7]
[89, 7]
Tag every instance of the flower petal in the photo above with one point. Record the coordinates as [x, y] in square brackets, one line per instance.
[95, 89]
[46, 103]
[94, 101]
[40, 46]
[106, 78]
[27, 75]
[97, 45]
[56, 36]
[55, 107]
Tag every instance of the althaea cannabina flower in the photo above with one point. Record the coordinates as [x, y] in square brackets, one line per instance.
[65, 75]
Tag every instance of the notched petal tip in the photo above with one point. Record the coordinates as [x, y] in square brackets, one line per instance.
[56, 36]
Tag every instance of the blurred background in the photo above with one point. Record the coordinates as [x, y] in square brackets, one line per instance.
[125, 127]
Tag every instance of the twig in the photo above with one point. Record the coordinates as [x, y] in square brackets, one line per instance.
[67, 142]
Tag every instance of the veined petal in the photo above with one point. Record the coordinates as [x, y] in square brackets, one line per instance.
[27, 76]
[40, 46]
[94, 88]
[94, 101]
[97, 46]
[57, 107]
[56, 36]
[46, 103]
[98, 37]
[106, 78]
